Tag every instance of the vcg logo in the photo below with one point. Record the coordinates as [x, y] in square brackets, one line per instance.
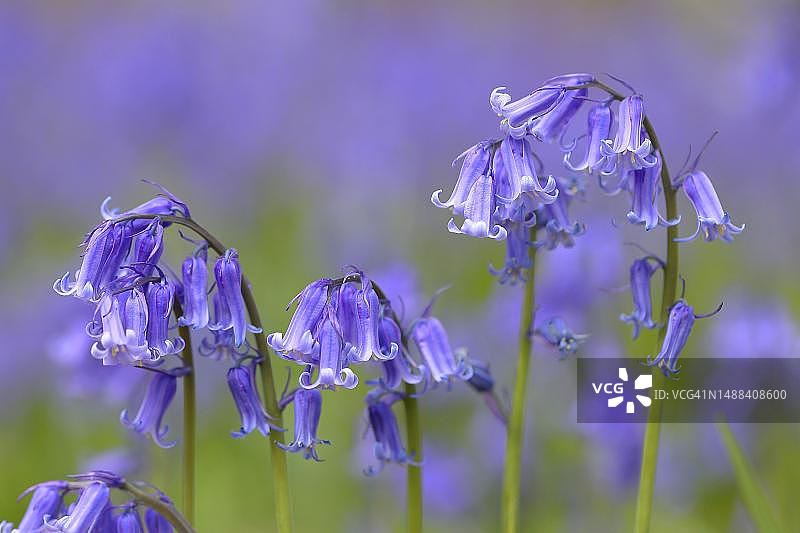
[616, 390]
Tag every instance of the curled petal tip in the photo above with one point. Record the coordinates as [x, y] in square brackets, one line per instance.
[438, 203]
[348, 379]
[452, 227]
[690, 237]
[674, 222]
[499, 233]
[105, 212]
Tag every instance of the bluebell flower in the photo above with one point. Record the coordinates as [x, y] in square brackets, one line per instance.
[522, 210]
[159, 308]
[242, 384]
[90, 505]
[631, 140]
[147, 248]
[431, 339]
[401, 368]
[368, 311]
[106, 247]
[222, 314]
[128, 521]
[388, 446]
[481, 379]
[475, 165]
[92, 511]
[518, 259]
[345, 300]
[45, 502]
[711, 217]
[552, 126]
[556, 332]
[482, 382]
[599, 119]
[160, 392]
[518, 115]
[156, 523]
[307, 412]
[194, 274]
[679, 326]
[165, 203]
[644, 197]
[228, 275]
[106, 521]
[557, 225]
[519, 171]
[298, 341]
[641, 272]
[330, 355]
[478, 210]
[124, 321]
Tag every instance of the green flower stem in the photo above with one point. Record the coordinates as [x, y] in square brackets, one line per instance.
[189, 421]
[178, 521]
[644, 499]
[647, 475]
[280, 471]
[758, 505]
[414, 472]
[516, 423]
[413, 431]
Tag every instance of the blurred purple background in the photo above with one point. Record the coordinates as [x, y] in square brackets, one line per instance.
[311, 134]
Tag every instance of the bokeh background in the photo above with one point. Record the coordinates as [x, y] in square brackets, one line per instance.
[310, 135]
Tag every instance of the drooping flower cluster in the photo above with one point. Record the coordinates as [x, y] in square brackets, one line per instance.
[138, 302]
[336, 324]
[345, 322]
[92, 508]
[340, 324]
[499, 193]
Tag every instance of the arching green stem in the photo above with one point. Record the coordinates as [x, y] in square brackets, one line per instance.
[280, 471]
[178, 521]
[644, 499]
[516, 423]
[647, 477]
